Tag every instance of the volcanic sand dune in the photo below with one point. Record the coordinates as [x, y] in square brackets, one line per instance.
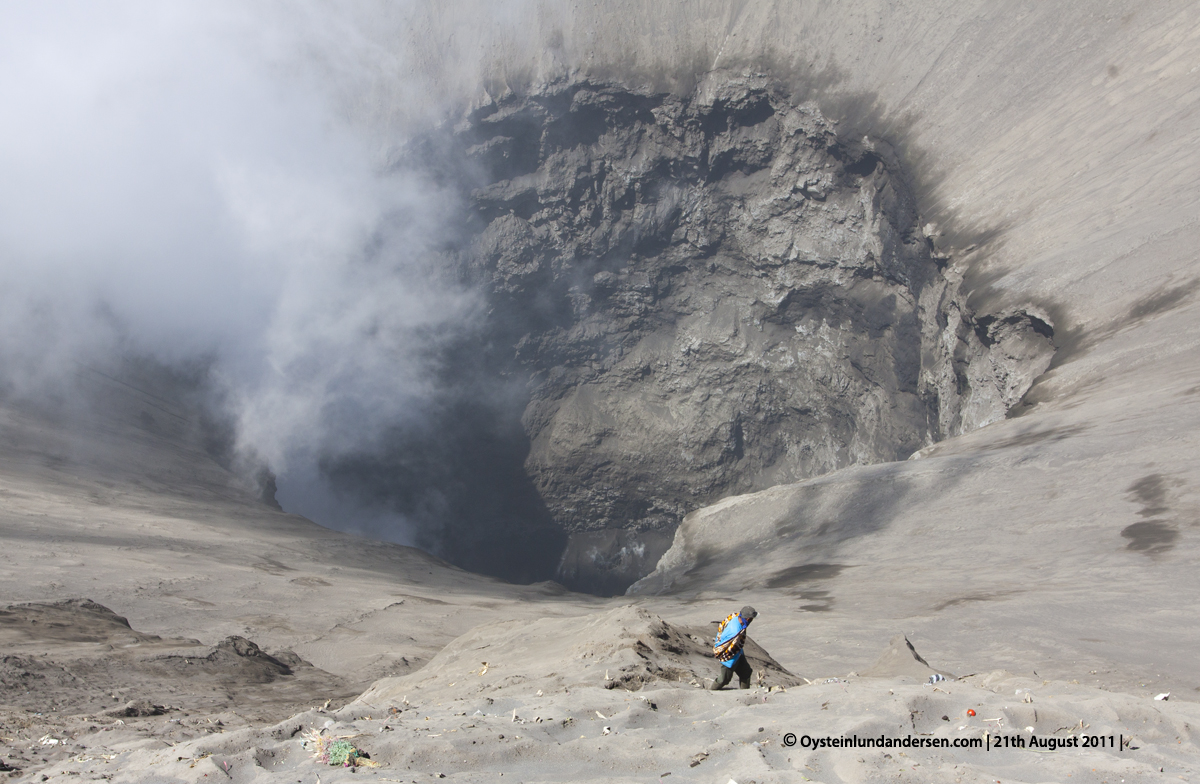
[1055, 148]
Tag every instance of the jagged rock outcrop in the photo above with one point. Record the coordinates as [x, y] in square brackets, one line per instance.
[705, 295]
[713, 294]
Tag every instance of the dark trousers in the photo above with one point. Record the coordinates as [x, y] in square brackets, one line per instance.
[741, 667]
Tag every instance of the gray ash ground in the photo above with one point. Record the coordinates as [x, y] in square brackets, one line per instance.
[75, 678]
[546, 709]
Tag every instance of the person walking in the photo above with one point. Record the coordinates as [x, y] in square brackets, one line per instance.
[727, 648]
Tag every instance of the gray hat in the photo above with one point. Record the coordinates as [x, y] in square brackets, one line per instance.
[749, 613]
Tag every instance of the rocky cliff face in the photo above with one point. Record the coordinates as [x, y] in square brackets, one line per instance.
[706, 295]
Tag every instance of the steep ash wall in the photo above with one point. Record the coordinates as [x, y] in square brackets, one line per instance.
[707, 295]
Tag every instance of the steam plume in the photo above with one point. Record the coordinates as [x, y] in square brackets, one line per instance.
[195, 182]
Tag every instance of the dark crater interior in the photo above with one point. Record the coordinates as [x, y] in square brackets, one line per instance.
[688, 297]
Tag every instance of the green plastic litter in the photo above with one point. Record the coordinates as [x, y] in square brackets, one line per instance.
[342, 752]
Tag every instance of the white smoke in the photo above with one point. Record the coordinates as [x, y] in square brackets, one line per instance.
[194, 181]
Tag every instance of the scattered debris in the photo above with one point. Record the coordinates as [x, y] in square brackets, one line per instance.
[135, 708]
[338, 752]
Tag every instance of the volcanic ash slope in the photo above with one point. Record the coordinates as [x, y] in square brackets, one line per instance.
[541, 710]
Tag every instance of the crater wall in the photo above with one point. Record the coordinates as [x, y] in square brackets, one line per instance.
[695, 296]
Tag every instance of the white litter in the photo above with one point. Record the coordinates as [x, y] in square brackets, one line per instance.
[1166, 695]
